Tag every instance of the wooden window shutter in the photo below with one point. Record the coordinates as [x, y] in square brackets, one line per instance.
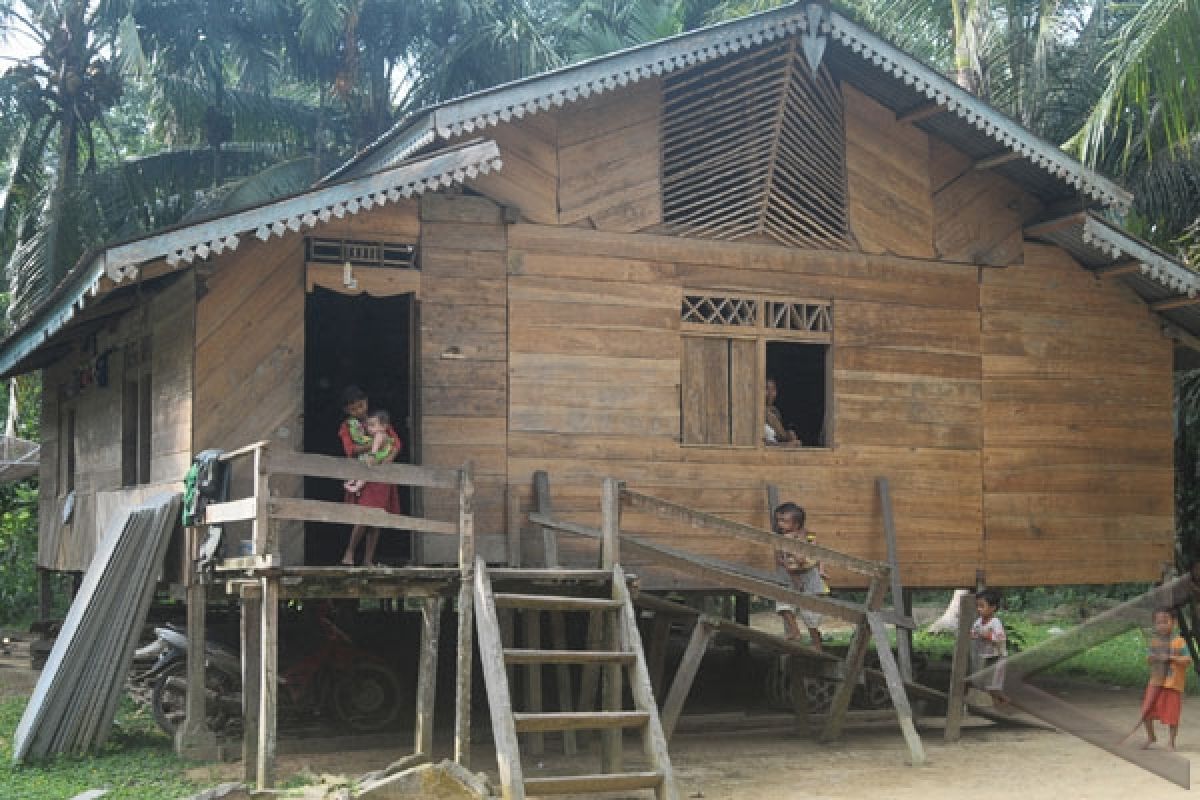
[719, 390]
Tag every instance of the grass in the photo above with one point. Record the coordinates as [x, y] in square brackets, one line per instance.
[1120, 661]
[137, 763]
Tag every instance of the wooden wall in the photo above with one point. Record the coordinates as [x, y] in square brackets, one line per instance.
[594, 374]
[1078, 442]
[463, 398]
[165, 315]
[250, 343]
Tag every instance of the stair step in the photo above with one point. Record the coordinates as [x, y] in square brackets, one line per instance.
[519, 656]
[540, 722]
[546, 602]
[577, 784]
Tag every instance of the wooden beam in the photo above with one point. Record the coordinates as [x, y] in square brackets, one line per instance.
[719, 573]
[920, 112]
[958, 667]
[1054, 225]
[1126, 266]
[853, 664]
[504, 732]
[269, 675]
[531, 621]
[903, 635]
[1180, 336]
[541, 496]
[431, 625]
[895, 686]
[290, 462]
[749, 533]
[558, 639]
[251, 601]
[468, 563]
[1070, 718]
[610, 524]
[999, 159]
[321, 511]
[1180, 301]
[685, 675]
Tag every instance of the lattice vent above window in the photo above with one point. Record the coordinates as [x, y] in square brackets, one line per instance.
[753, 145]
[710, 310]
[805, 319]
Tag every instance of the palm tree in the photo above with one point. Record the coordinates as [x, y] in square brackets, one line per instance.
[60, 95]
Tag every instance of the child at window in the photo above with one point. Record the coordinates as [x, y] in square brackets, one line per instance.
[376, 437]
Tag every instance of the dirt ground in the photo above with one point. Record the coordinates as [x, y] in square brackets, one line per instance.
[776, 764]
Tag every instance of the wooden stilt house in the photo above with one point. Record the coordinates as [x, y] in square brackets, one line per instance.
[594, 271]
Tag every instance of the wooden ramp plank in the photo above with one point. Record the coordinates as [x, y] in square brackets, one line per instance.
[580, 784]
[529, 722]
[530, 656]
[553, 603]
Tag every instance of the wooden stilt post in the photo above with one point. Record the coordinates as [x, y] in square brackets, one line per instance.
[558, 622]
[697, 645]
[895, 685]
[853, 664]
[531, 619]
[431, 625]
[589, 679]
[269, 674]
[558, 635]
[656, 653]
[251, 597]
[958, 668]
[466, 640]
[193, 739]
[610, 524]
[903, 635]
[45, 595]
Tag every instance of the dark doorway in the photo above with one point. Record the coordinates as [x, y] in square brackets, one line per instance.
[801, 374]
[366, 341]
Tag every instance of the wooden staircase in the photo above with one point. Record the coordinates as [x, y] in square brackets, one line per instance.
[615, 652]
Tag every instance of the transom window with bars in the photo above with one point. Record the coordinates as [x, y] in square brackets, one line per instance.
[392, 255]
[734, 345]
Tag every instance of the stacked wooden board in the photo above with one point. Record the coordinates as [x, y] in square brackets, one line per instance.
[72, 707]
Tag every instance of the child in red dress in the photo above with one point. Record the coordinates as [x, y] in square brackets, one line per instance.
[371, 494]
[1169, 660]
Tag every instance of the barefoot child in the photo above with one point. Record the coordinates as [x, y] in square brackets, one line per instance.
[805, 575]
[991, 643]
[1168, 658]
[380, 442]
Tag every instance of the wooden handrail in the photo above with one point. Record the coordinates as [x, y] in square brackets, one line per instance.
[289, 462]
[664, 508]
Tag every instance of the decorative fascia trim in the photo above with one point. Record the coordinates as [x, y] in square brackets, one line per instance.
[1154, 265]
[955, 99]
[121, 262]
[306, 210]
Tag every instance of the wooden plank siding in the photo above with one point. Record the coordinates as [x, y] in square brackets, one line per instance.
[163, 317]
[463, 399]
[249, 375]
[1077, 465]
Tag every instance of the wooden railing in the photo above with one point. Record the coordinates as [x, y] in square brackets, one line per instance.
[264, 510]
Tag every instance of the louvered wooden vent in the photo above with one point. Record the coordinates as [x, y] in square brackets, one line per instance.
[753, 145]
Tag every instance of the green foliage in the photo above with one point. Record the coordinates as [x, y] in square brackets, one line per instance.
[18, 552]
[137, 763]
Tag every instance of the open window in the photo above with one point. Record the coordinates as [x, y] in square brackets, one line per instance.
[734, 343]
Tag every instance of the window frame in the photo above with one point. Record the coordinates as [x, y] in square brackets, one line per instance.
[762, 334]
